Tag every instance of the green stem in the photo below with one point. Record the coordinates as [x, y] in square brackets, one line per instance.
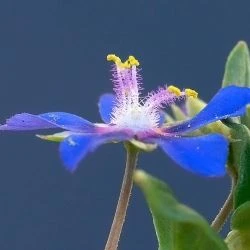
[227, 207]
[122, 205]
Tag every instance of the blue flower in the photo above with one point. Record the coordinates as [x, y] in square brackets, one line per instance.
[127, 116]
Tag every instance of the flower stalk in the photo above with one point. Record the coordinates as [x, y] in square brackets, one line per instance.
[227, 207]
[122, 205]
[223, 214]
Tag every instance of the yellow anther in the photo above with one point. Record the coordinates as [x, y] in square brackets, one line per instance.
[126, 64]
[191, 93]
[131, 61]
[114, 58]
[174, 90]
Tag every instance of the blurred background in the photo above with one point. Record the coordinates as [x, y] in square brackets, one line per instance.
[52, 58]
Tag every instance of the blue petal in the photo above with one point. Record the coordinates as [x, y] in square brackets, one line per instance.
[25, 121]
[75, 147]
[68, 121]
[228, 102]
[204, 155]
[106, 104]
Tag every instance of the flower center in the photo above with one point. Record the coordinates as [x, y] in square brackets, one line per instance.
[131, 111]
[135, 117]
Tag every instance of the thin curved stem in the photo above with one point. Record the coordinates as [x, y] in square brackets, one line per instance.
[224, 212]
[226, 209]
[122, 205]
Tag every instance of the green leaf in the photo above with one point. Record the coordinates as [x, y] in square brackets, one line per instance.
[241, 217]
[239, 237]
[177, 226]
[246, 118]
[238, 240]
[237, 70]
[239, 161]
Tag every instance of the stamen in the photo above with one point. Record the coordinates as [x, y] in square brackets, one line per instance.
[131, 110]
[129, 63]
[132, 61]
[174, 90]
[114, 58]
[191, 93]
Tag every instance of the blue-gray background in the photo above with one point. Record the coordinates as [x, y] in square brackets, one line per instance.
[52, 58]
